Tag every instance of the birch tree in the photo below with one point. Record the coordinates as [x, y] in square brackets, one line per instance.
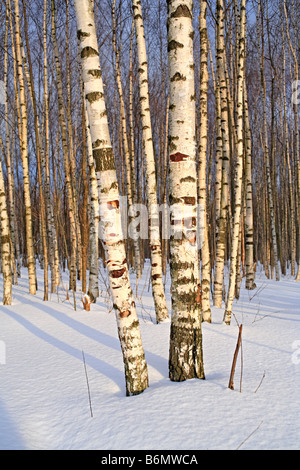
[238, 187]
[5, 243]
[223, 186]
[155, 242]
[296, 121]
[24, 153]
[186, 357]
[128, 157]
[136, 375]
[68, 178]
[205, 255]
[265, 137]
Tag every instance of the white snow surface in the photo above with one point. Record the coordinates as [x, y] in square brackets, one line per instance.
[44, 401]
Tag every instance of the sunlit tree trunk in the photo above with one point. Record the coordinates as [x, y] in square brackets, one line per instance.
[136, 375]
[266, 143]
[30, 84]
[53, 254]
[296, 120]
[9, 161]
[68, 180]
[186, 358]
[154, 232]
[249, 236]
[204, 244]
[224, 186]
[238, 186]
[5, 244]
[130, 176]
[93, 290]
[24, 156]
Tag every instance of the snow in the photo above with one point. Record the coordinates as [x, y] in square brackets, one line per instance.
[44, 401]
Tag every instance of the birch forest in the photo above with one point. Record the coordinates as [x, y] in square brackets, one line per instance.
[159, 131]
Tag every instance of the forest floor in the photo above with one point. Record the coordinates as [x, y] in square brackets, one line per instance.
[44, 400]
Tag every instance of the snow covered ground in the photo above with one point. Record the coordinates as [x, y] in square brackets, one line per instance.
[44, 402]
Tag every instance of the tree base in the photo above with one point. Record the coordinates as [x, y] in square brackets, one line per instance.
[186, 356]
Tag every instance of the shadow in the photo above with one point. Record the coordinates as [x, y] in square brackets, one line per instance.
[95, 363]
[10, 438]
[153, 360]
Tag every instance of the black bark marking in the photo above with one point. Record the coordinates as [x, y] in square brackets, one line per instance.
[104, 159]
[189, 200]
[81, 35]
[182, 11]
[188, 179]
[88, 52]
[95, 73]
[173, 45]
[178, 77]
[94, 96]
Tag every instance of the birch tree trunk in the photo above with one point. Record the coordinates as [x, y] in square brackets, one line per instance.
[296, 120]
[93, 290]
[266, 143]
[134, 185]
[53, 255]
[136, 375]
[185, 357]
[30, 84]
[5, 243]
[205, 255]
[238, 187]
[161, 308]
[288, 159]
[224, 186]
[71, 151]
[125, 138]
[24, 156]
[249, 248]
[68, 181]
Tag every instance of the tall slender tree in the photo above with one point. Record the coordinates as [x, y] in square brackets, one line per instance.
[202, 177]
[186, 355]
[136, 375]
[238, 187]
[23, 122]
[161, 308]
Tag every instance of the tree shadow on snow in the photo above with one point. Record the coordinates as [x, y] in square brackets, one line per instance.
[10, 438]
[99, 365]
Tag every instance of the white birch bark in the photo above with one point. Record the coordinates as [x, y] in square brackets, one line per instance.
[9, 161]
[296, 120]
[93, 290]
[24, 156]
[249, 234]
[238, 186]
[185, 358]
[136, 375]
[128, 158]
[224, 186]
[266, 142]
[53, 255]
[288, 158]
[5, 244]
[205, 255]
[68, 180]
